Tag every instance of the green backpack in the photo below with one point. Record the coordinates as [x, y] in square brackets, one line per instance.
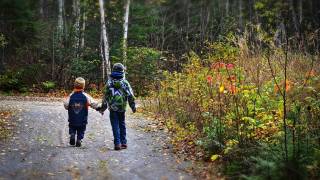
[117, 100]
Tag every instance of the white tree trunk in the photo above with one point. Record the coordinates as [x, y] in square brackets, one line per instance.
[76, 14]
[53, 58]
[279, 36]
[60, 18]
[105, 43]
[227, 7]
[294, 17]
[125, 31]
[240, 15]
[83, 29]
[300, 11]
[103, 62]
[41, 8]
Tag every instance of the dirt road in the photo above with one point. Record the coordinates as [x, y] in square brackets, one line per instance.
[39, 147]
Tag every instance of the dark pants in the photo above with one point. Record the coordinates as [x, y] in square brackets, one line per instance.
[79, 130]
[118, 124]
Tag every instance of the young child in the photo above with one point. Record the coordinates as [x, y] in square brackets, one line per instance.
[77, 104]
[117, 92]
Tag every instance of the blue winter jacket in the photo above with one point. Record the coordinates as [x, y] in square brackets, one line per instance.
[77, 105]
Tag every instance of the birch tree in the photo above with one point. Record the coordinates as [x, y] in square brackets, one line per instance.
[59, 35]
[60, 28]
[125, 31]
[76, 14]
[227, 7]
[240, 15]
[83, 28]
[41, 8]
[104, 43]
[294, 16]
[300, 11]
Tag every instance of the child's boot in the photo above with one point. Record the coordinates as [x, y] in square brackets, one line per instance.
[124, 146]
[78, 143]
[117, 147]
[72, 140]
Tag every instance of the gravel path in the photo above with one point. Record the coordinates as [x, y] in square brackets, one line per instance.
[39, 147]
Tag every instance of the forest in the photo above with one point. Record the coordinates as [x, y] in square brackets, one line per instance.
[236, 82]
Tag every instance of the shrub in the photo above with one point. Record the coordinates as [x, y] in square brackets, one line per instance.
[85, 68]
[3, 41]
[11, 81]
[32, 74]
[22, 79]
[48, 85]
[142, 68]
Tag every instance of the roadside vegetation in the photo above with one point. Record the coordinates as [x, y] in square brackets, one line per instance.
[249, 111]
[6, 124]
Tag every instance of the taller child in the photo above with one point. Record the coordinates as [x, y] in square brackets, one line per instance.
[117, 93]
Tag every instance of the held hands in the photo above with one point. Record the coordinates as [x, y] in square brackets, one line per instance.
[99, 109]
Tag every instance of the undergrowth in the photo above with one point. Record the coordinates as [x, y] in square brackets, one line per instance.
[237, 108]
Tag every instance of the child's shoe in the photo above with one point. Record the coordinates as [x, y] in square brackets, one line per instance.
[72, 141]
[78, 143]
[124, 146]
[117, 147]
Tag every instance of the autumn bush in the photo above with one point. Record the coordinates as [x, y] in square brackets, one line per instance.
[229, 104]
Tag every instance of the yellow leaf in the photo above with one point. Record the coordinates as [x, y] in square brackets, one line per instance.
[221, 89]
[226, 151]
[214, 157]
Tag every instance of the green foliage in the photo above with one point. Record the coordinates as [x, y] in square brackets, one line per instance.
[268, 11]
[225, 51]
[11, 81]
[48, 85]
[22, 79]
[32, 74]
[3, 41]
[269, 164]
[18, 16]
[84, 68]
[142, 68]
[143, 24]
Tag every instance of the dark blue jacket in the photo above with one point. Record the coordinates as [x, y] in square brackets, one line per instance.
[78, 109]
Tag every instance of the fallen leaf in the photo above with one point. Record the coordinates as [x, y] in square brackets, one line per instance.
[214, 157]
